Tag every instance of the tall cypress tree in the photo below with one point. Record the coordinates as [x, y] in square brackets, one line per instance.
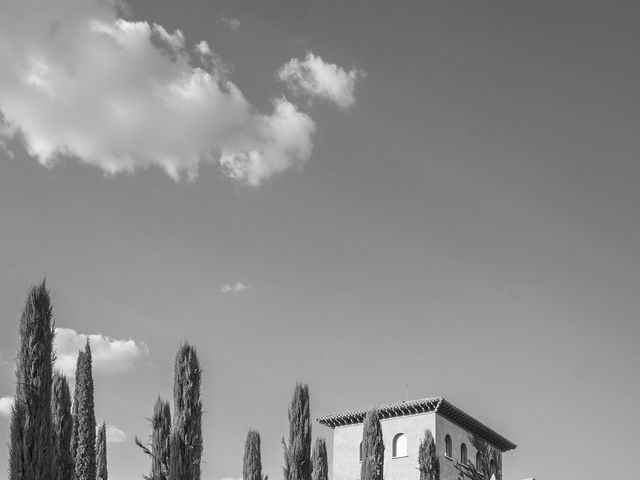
[252, 461]
[101, 452]
[319, 461]
[160, 441]
[17, 447]
[31, 443]
[186, 434]
[85, 460]
[297, 453]
[62, 426]
[372, 448]
[76, 400]
[428, 462]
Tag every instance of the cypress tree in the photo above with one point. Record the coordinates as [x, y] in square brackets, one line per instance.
[85, 459]
[17, 464]
[252, 461]
[297, 454]
[31, 443]
[101, 452]
[319, 461]
[62, 426]
[372, 448]
[76, 400]
[428, 462]
[160, 441]
[186, 434]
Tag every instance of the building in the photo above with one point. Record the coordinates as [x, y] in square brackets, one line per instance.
[403, 427]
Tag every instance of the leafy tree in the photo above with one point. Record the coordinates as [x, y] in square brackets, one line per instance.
[159, 450]
[101, 452]
[252, 461]
[297, 453]
[428, 462]
[319, 461]
[62, 426]
[85, 459]
[17, 447]
[489, 462]
[372, 448]
[186, 434]
[31, 442]
[74, 408]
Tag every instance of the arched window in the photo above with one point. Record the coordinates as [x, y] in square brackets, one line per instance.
[447, 447]
[399, 445]
[463, 454]
[478, 461]
[493, 468]
[360, 451]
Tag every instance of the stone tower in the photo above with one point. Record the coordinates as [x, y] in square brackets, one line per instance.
[403, 427]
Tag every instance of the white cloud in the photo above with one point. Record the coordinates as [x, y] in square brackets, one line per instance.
[235, 288]
[317, 78]
[234, 23]
[6, 403]
[108, 355]
[115, 435]
[122, 95]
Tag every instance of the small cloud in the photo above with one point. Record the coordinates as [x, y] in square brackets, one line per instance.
[115, 435]
[234, 23]
[6, 404]
[235, 288]
[108, 354]
[316, 78]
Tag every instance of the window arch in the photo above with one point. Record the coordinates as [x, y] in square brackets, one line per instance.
[478, 461]
[399, 447]
[463, 454]
[447, 446]
[493, 468]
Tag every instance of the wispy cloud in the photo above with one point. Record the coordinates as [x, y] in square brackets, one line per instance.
[234, 23]
[316, 78]
[127, 95]
[115, 435]
[238, 287]
[109, 355]
[6, 403]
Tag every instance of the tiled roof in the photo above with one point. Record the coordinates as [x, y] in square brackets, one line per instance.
[436, 404]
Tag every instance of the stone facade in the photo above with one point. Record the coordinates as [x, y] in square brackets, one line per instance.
[348, 435]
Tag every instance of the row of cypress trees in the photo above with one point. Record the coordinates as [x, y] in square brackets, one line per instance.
[51, 438]
[175, 448]
[300, 462]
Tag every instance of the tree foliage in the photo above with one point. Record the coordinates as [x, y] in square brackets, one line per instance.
[85, 455]
[428, 462]
[101, 452]
[487, 456]
[17, 447]
[252, 460]
[74, 407]
[159, 449]
[319, 461]
[297, 453]
[62, 426]
[372, 448]
[186, 434]
[31, 442]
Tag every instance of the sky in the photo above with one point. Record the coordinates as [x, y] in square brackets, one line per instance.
[382, 199]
